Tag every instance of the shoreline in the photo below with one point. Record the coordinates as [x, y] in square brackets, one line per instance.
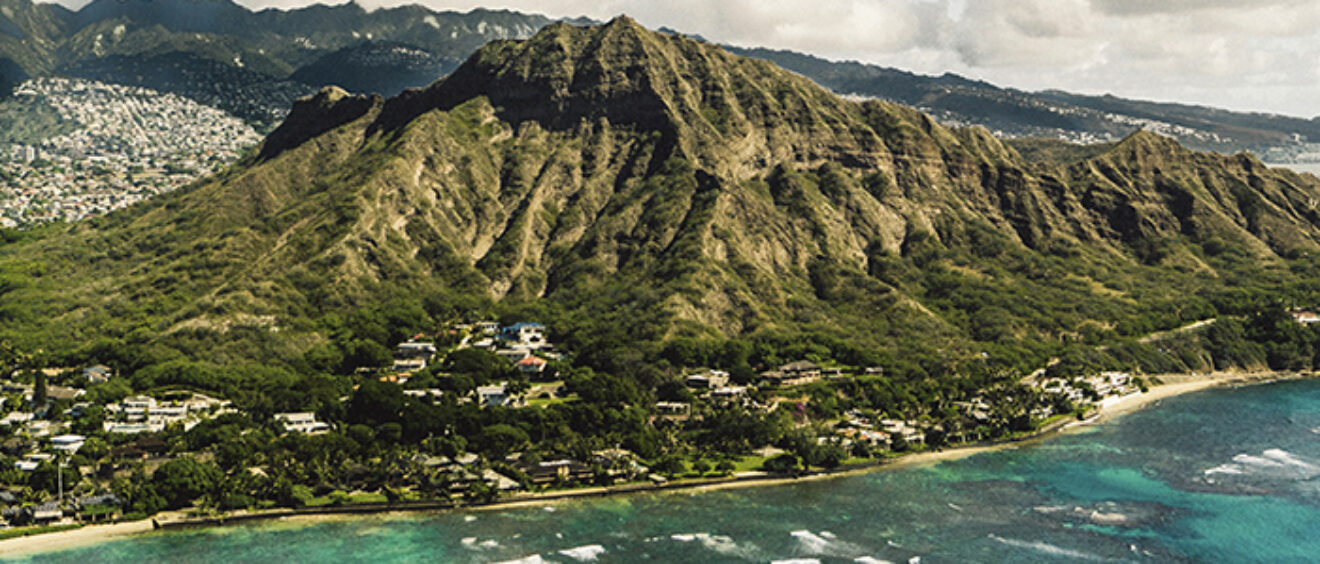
[1171, 385]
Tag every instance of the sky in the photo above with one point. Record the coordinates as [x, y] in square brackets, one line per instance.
[1250, 55]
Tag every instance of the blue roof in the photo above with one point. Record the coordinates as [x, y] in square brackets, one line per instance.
[521, 324]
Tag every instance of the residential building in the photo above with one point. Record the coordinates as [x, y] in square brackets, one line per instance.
[301, 422]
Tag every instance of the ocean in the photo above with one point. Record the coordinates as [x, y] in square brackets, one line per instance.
[1226, 475]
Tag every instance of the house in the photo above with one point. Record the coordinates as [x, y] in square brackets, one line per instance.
[552, 471]
[801, 368]
[708, 380]
[63, 393]
[128, 428]
[432, 393]
[488, 327]
[1305, 317]
[513, 355]
[499, 481]
[413, 355]
[98, 374]
[16, 418]
[39, 428]
[143, 447]
[673, 409]
[101, 507]
[47, 512]
[531, 365]
[67, 443]
[729, 393]
[525, 335]
[415, 349]
[793, 374]
[496, 396]
[101, 499]
[138, 405]
[301, 422]
[408, 364]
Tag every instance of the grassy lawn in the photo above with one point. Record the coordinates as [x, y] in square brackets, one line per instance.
[544, 402]
[352, 499]
[748, 463]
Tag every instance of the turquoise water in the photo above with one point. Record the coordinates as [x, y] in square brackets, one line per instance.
[1220, 476]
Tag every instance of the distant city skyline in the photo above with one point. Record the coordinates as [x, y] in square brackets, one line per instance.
[1245, 55]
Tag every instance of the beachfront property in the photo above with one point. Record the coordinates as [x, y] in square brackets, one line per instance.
[1087, 389]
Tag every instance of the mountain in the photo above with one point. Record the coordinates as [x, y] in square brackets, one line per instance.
[957, 100]
[642, 192]
[253, 64]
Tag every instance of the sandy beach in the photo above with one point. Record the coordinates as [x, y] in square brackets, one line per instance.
[1170, 385]
[63, 540]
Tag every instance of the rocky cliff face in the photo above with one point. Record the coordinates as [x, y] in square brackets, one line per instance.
[611, 165]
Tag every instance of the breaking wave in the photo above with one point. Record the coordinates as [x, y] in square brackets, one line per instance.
[587, 553]
[1273, 463]
[1047, 549]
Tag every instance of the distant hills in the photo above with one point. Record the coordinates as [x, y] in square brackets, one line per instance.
[1083, 119]
[254, 64]
[638, 190]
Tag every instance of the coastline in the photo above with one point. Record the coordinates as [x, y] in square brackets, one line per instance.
[1170, 385]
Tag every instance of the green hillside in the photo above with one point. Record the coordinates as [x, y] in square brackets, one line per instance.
[661, 203]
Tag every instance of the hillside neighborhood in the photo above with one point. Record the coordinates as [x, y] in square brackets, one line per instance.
[105, 147]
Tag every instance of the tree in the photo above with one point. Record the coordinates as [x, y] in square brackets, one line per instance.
[725, 467]
[376, 403]
[39, 392]
[671, 465]
[46, 477]
[497, 441]
[700, 466]
[482, 365]
[783, 464]
[182, 480]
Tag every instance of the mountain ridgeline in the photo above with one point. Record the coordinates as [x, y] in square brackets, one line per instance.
[954, 99]
[636, 190]
[253, 64]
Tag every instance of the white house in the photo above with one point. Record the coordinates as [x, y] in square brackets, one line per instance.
[301, 422]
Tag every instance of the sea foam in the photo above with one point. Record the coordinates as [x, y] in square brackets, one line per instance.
[1048, 549]
[1272, 463]
[585, 553]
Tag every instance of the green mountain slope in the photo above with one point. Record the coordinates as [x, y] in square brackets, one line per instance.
[637, 189]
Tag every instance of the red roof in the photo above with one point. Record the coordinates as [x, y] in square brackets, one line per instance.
[531, 360]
